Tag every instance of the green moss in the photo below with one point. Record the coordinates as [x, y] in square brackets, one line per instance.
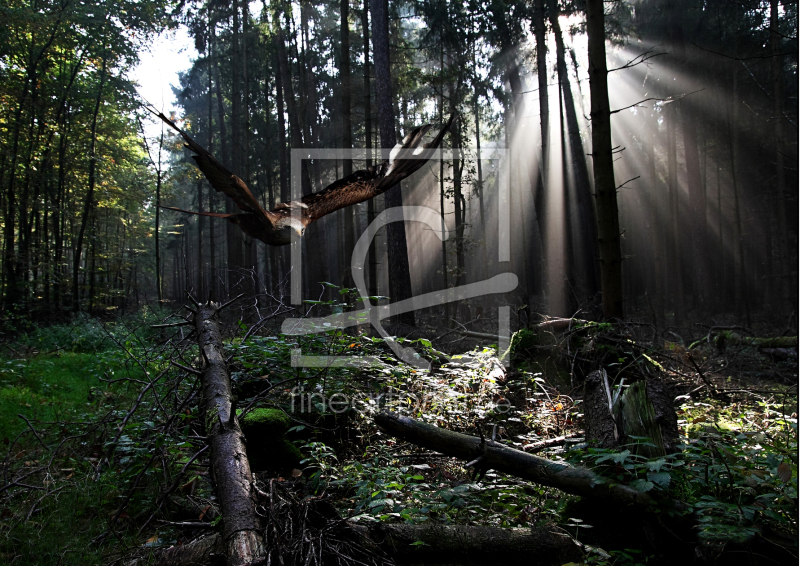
[267, 446]
[265, 421]
[522, 343]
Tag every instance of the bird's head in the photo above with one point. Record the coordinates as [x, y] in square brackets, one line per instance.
[284, 227]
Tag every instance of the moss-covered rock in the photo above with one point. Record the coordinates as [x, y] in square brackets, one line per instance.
[267, 446]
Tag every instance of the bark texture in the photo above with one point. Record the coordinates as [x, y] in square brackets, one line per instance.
[467, 544]
[608, 231]
[234, 482]
[206, 551]
[399, 271]
[646, 409]
[491, 455]
[443, 544]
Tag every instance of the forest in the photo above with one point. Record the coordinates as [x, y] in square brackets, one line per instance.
[356, 295]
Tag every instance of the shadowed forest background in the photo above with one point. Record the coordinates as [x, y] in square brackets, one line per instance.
[632, 401]
[704, 135]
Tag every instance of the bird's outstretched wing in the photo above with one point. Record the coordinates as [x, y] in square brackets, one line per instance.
[273, 227]
[407, 157]
[220, 178]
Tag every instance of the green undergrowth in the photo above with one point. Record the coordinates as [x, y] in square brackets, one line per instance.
[75, 384]
[56, 387]
[736, 474]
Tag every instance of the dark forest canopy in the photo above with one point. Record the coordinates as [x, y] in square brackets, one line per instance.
[703, 127]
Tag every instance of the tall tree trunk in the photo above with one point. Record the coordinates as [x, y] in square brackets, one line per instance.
[373, 260]
[213, 291]
[223, 143]
[786, 261]
[283, 169]
[399, 273]
[544, 117]
[741, 297]
[695, 259]
[250, 260]
[605, 186]
[441, 186]
[89, 202]
[476, 109]
[291, 104]
[678, 298]
[568, 191]
[582, 192]
[347, 137]
[656, 228]
[235, 236]
[458, 197]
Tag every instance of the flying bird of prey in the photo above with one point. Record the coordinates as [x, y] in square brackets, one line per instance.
[275, 227]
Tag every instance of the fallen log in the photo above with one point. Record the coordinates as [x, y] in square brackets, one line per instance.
[242, 539]
[550, 325]
[468, 544]
[206, 551]
[432, 542]
[491, 455]
[724, 338]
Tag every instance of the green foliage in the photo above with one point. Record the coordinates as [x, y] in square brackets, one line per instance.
[734, 482]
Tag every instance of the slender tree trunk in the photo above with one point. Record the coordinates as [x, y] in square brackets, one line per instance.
[657, 232]
[786, 261]
[740, 289]
[399, 273]
[236, 258]
[678, 298]
[544, 117]
[347, 137]
[694, 260]
[441, 187]
[89, 202]
[249, 259]
[476, 109]
[373, 260]
[213, 291]
[291, 103]
[223, 143]
[582, 192]
[458, 197]
[157, 230]
[605, 186]
[568, 192]
[283, 169]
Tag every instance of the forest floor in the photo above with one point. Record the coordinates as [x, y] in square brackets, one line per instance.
[104, 441]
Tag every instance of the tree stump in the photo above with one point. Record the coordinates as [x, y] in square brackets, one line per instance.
[646, 409]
